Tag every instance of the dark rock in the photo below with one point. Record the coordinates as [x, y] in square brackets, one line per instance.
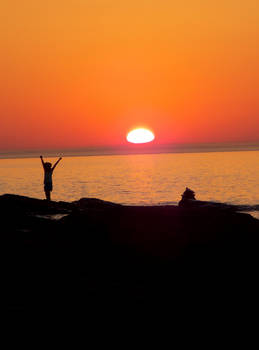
[101, 253]
[94, 203]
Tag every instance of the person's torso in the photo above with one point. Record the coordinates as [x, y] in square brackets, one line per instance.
[48, 177]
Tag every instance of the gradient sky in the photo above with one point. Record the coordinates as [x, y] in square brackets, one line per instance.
[84, 72]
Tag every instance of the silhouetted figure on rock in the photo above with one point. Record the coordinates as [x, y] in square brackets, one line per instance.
[187, 197]
[48, 171]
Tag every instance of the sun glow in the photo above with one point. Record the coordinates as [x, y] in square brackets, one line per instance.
[140, 135]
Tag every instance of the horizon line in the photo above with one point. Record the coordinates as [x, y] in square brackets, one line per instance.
[147, 148]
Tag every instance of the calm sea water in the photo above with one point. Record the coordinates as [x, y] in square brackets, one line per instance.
[231, 177]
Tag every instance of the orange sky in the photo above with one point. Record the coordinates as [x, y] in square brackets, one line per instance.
[84, 72]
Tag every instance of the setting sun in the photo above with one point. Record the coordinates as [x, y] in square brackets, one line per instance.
[140, 135]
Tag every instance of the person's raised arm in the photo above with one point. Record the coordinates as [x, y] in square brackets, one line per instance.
[42, 161]
[54, 166]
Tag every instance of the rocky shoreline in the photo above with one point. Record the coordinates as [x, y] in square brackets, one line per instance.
[91, 253]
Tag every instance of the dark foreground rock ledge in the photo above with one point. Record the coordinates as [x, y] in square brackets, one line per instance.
[91, 253]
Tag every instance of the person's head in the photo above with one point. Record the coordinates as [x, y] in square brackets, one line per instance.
[48, 165]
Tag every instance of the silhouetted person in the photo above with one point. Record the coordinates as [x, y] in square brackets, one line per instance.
[48, 171]
[188, 194]
[187, 197]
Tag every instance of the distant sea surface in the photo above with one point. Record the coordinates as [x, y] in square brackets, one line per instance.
[142, 179]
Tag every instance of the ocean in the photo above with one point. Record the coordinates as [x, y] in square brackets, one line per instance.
[141, 179]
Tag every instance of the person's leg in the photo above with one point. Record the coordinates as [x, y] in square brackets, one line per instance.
[47, 193]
